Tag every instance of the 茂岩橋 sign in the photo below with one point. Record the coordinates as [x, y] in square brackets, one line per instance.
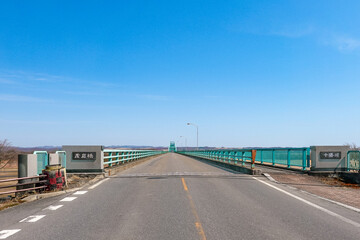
[330, 155]
[84, 156]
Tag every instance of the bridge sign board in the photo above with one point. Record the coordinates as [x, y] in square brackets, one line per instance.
[329, 158]
[84, 158]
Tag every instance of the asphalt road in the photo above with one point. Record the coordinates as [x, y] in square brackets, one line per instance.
[177, 197]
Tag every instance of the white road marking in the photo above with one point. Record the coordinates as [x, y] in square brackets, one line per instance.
[7, 233]
[32, 219]
[68, 199]
[332, 201]
[53, 208]
[80, 192]
[312, 204]
[97, 184]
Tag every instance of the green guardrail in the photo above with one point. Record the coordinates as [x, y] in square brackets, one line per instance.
[113, 156]
[287, 157]
[229, 156]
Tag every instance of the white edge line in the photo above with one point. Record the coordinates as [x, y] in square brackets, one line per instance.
[7, 233]
[97, 184]
[68, 199]
[314, 195]
[32, 219]
[335, 202]
[80, 192]
[53, 208]
[312, 204]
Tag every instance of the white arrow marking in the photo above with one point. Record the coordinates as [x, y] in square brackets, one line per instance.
[32, 219]
[7, 233]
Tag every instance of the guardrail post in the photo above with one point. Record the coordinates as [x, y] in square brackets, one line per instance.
[117, 158]
[242, 159]
[273, 157]
[261, 157]
[110, 159]
[304, 159]
[253, 156]
[288, 158]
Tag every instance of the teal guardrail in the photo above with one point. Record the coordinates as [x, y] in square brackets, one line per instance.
[353, 161]
[230, 156]
[287, 157]
[114, 156]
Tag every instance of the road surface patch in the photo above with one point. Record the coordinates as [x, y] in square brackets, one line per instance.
[53, 208]
[312, 204]
[32, 219]
[68, 199]
[7, 233]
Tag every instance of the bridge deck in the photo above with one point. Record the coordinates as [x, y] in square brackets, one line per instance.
[176, 197]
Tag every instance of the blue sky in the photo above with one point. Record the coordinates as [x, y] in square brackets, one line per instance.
[249, 73]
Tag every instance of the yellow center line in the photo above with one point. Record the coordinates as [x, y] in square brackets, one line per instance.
[198, 225]
[184, 184]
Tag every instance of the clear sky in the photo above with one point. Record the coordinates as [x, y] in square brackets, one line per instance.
[249, 73]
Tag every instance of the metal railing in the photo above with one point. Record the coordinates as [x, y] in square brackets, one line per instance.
[285, 157]
[230, 156]
[353, 161]
[114, 156]
[40, 182]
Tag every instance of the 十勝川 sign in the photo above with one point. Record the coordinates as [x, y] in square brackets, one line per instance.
[330, 155]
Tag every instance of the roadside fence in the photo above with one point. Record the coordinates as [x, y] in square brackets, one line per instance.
[286, 157]
[116, 157]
